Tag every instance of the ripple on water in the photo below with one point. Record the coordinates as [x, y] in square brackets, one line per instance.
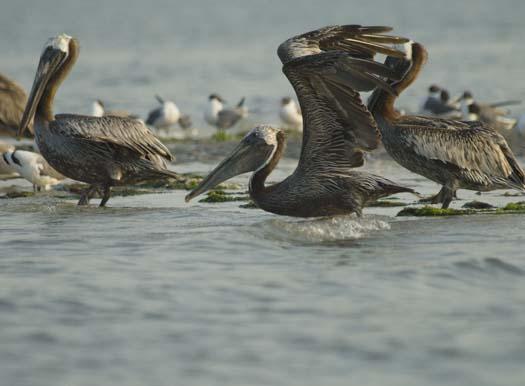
[323, 229]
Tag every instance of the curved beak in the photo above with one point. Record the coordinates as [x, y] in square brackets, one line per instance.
[159, 99]
[244, 158]
[50, 62]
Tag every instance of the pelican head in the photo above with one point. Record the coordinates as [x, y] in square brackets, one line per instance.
[253, 153]
[56, 52]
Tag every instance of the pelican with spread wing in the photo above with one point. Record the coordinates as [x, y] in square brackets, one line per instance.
[327, 68]
[101, 151]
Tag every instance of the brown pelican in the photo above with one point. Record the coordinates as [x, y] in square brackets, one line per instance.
[33, 167]
[290, 114]
[493, 114]
[164, 116]
[224, 118]
[102, 152]
[455, 154]
[12, 102]
[327, 68]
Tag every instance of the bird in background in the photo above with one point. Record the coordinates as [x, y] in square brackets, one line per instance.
[33, 167]
[164, 116]
[439, 104]
[98, 109]
[290, 114]
[494, 115]
[223, 118]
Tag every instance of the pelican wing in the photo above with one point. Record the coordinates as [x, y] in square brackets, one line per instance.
[46, 169]
[470, 147]
[126, 133]
[356, 40]
[12, 104]
[328, 68]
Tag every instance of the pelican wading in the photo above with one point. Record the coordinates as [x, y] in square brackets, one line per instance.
[452, 153]
[101, 151]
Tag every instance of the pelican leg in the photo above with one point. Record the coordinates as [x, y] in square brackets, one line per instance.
[106, 195]
[447, 196]
[86, 195]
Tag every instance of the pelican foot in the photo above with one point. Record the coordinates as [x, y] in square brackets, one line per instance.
[106, 195]
[86, 195]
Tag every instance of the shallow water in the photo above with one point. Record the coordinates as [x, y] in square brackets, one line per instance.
[153, 291]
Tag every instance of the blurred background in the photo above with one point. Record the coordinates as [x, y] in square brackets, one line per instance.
[131, 50]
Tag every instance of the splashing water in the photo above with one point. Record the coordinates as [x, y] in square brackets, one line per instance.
[324, 229]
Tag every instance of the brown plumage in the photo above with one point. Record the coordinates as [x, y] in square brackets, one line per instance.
[454, 154]
[12, 103]
[338, 128]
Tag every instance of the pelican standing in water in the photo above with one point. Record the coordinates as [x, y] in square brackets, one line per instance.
[454, 154]
[102, 152]
[12, 102]
[33, 167]
[337, 127]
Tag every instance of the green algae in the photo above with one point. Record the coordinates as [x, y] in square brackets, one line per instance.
[215, 196]
[249, 205]
[385, 204]
[477, 205]
[429, 211]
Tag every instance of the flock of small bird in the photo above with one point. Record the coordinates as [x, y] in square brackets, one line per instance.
[439, 104]
[455, 142]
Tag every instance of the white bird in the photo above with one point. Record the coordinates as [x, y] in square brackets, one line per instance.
[215, 105]
[290, 114]
[164, 116]
[33, 167]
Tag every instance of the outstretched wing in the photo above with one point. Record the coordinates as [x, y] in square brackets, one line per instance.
[127, 133]
[328, 68]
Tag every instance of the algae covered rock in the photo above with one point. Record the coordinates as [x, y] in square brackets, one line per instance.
[429, 211]
[222, 196]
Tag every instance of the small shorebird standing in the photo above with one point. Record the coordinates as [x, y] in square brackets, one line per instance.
[33, 167]
[223, 118]
[290, 114]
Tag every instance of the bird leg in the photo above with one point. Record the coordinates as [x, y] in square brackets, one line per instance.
[106, 195]
[447, 195]
[444, 197]
[87, 194]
